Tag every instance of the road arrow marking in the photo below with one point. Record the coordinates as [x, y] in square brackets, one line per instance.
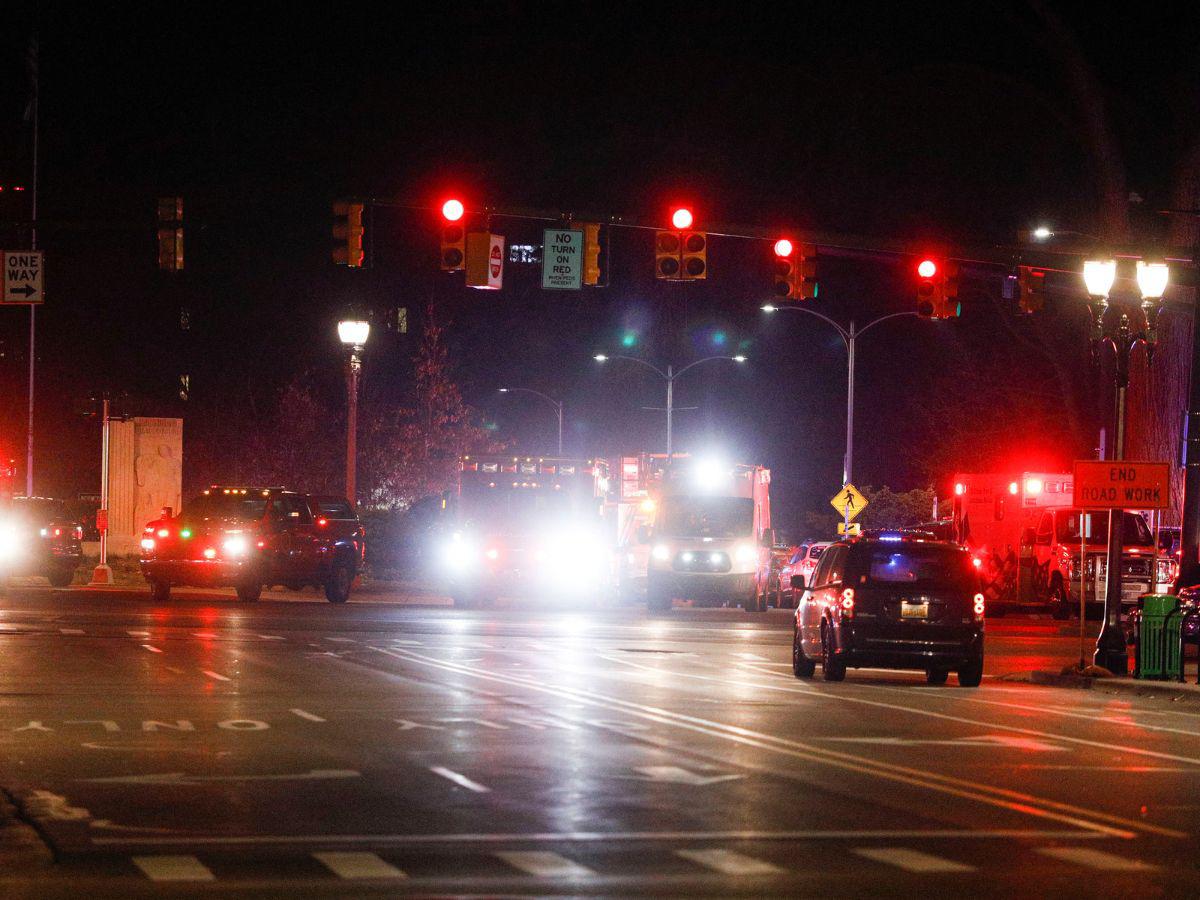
[677, 775]
[176, 778]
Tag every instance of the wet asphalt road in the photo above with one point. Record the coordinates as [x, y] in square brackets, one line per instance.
[299, 747]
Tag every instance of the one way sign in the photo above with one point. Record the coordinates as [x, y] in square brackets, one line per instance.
[22, 276]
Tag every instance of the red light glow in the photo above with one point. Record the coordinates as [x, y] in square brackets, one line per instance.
[783, 247]
[1014, 488]
[848, 601]
[452, 210]
[1033, 485]
[927, 268]
[682, 218]
[959, 489]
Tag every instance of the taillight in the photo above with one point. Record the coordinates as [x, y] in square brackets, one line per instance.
[322, 522]
[848, 602]
[79, 532]
[979, 606]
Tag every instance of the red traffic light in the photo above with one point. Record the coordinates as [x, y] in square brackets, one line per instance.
[783, 247]
[927, 268]
[452, 210]
[682, 218]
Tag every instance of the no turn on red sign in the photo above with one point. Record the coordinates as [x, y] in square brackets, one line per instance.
[1122, 485]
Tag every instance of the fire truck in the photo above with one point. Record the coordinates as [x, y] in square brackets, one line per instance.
[528, 525]
[1036, 549]
[694, 529]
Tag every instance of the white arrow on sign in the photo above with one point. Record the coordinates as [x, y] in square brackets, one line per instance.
[983, 740]
[182, 778]
[677, 775]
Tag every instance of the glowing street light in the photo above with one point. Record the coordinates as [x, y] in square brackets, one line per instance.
[1152, 279]
[353, 334]
[1099, 275]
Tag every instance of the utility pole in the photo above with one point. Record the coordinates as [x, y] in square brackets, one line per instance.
[102, 574]
[32, 62]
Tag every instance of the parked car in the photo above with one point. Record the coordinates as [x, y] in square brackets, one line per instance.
[803, 563]
[251, 537]
[38, 538]
[892, 601]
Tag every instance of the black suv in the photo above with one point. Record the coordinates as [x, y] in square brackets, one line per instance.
[895, 601]
[37, 537]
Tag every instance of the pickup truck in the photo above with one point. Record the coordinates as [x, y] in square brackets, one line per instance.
[251, 537]
[37, 537]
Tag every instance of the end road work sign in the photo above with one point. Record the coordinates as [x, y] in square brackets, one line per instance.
[1122, 485]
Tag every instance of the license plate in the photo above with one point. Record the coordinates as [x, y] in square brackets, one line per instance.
[914, 610]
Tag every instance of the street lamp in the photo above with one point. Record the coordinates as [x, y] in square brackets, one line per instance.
[353, 333]
[557, 404]
[849, 338]
[669, 377]
[1118, 332]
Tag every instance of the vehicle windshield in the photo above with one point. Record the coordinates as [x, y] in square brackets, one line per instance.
[225, 506]
[38, 509]
[517, 506]
[1136, 532]
[913, 565]
[716, 517]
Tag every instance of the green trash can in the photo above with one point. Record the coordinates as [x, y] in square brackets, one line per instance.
[1158, 656]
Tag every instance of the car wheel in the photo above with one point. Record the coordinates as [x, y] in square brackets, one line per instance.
[802, 666]
[337, 588]
[160, 591]
[936, 676]
[832, 668]
[61, 577]
[249, 591]
[971, 674]
[1060, 606]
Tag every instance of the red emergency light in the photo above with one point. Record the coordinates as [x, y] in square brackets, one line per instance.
[959, 489]
[1033, 486]
[1014, 488]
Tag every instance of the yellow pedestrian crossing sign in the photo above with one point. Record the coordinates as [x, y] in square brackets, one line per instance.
[849, 502]
[854, 528]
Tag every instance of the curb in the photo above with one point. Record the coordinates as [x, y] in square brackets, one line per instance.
[1173, 689]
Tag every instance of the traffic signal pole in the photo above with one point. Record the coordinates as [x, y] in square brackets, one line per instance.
[1189, 562]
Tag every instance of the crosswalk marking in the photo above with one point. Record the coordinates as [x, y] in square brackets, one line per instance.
[217, 675]
[545, 864]
[357, 865]
[70, 631]
[151, 648]
[138, 633]
[272, 637]
[342, 640]
[208, 635]
[173, 868]
[729, 862]
[912, 860]
[460, 780]
[1096, 859]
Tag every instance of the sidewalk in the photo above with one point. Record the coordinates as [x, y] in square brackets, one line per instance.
[1187, 691]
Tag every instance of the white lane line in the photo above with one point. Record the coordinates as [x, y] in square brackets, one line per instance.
[461, 780]
[151, 648]
[342, 640]
[912, 860]
[348, 864]
[173, 868]
[217, 675]
[545, 864]
[70, 631]
[272, 637]
[305, 715]
[138, 633]
[208, 635]
[1097, 859]
[577, 837]
[407, 643]
[753, 656]
[729, 862]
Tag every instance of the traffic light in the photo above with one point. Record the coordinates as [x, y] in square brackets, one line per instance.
[1031, 285]
[807, 273]
[694, 261]
[170, 234]
[929, 293]
[785, 270]
[454, 237]
[348, 233]
[667, 247]
[951, 308]
[485, 260]
[595, 255]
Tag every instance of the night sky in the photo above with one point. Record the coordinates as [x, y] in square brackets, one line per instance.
[948, 124]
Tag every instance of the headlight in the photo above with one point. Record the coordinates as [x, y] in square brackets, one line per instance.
[661, 552]
[236, 546]
[147, 544]
[10, 541]
[458, 553]
[746, 553]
